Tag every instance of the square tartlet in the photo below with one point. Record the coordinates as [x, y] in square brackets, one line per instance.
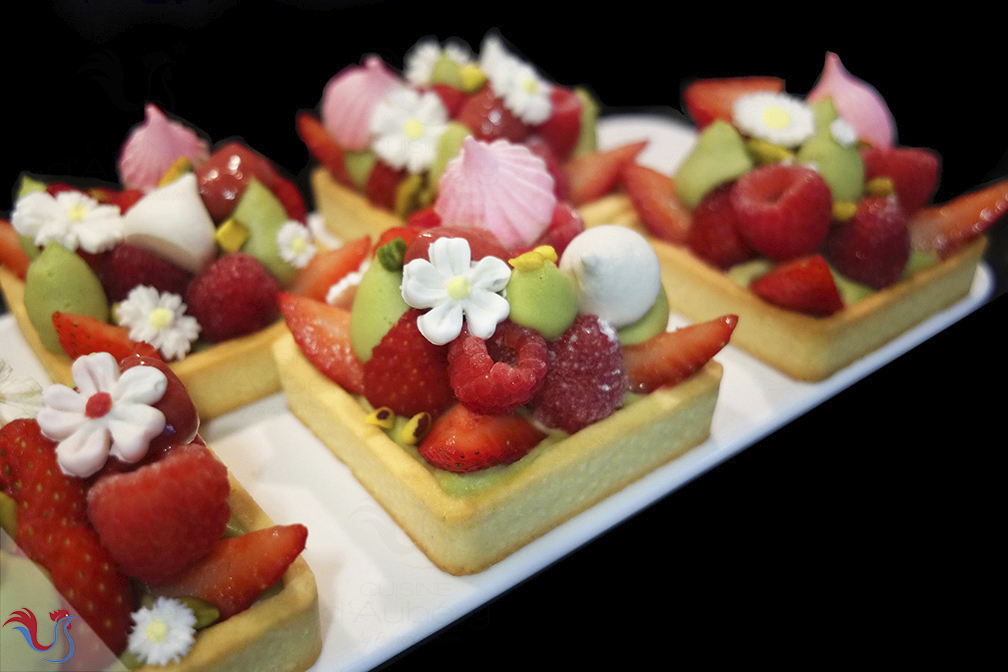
[467, 533]
[803, 347]
[220, 379]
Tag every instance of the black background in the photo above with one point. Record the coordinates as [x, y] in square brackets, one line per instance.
[865, 530]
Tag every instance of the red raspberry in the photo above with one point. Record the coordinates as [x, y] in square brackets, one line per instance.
[713, 234]
[159, 519]
[587, 377]
[783, 211]
[874, 245]
[233, 296]
[126, 266]
[499, 374]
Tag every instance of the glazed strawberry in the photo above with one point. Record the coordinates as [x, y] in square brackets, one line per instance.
[82, 335]
[499, 374]
[322, 332]
[223, 177]
[872, 247]
[563, 128]
[586, 380]
[804, 285]
[673, 356]
[710, 99]
[237, 570]
[594, 175]
[653, 196]
[12, 255]
[463, 441]
[782, 211]
[322, 146]
[181, 417]
[233, 296]
[382, 185]
[52, 531]
[408, 373]
[945, 228]
[125, 266]
[328, 267]
[158, 520]
[482, 243]
[713, 234]
[485, 113]
[913, 171]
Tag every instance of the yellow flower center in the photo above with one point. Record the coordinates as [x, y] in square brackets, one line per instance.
[458, 288]
[776, 118]
[77, 212]
[157, 631]
[298, 245]
[531, 86]
[160, 318]
[414, 128]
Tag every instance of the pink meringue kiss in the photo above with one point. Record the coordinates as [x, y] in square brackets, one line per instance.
[349, 99]
[153, 146]
[859, 103]
[499, 186]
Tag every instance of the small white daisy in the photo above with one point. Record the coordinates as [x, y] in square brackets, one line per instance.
[454, 287]
[163, 633]
[295, 242]
[775, 117]
[524, 92]
[843, 132]
[407, 126]
[19, 397]
[158, 319]
[70, 218]
[420, 61]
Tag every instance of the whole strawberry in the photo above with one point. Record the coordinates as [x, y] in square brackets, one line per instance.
[872, 247]
[713, 234]
[233, 296]
[126, 266]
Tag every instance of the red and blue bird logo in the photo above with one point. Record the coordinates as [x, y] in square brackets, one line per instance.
[28, 627]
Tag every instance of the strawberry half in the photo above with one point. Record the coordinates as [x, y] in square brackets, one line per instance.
[322, 146]
[873, 246]
[239, 569]
[673, 356]
[945, 228]
[322, 332]
[653, 196]
[592, 176]
[804, 285]
[12, 255]
[913, 171]
[328, 267]
[463, 441]
[709, 99]
[713, 236]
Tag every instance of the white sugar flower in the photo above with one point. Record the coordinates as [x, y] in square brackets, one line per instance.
[19, 397]
[158, 319]
[453, 287]
[420, 61]
[295, 242]
[70, 218]
[407, 126]
[524, 92]
[108, 414]
[775, 117]
[842, 132]
[162, 633]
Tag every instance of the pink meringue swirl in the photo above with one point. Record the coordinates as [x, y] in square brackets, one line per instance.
[351, 96]
[153, 146]
[859, 103]
[499, 186]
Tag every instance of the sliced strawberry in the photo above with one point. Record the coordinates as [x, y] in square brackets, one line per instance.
[463, 441]
[322, 146]
[290, 197]
[710, 99]
[554, 166]
[408, 373]
[452, 98]
[713, 236]
[489, 118]
[563, 227]
[653, 196]
[673, 356]
[804, 285]
[563, 128]
[382, 185]
[329, 267]
[126, 198]
[408, 233]
[945, 228]
[424, 218]
[322, 332]
[594, 175]
[240, 569]
[186, 494]
[913, 171]
[873, 246]
[12, 255]
[82, 335]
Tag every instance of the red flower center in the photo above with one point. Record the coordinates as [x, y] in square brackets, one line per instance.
[98, 405]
